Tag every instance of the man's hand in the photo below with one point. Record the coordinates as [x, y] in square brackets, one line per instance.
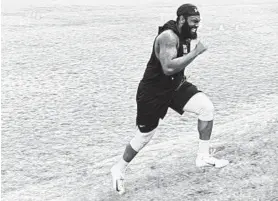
[200, 48]
[167, 42]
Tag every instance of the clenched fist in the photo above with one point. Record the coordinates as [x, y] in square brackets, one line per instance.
[200, 48]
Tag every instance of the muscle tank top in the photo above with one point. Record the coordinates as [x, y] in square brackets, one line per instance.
[155, 84]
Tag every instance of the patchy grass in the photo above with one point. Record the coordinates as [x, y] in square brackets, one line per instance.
[252, 174]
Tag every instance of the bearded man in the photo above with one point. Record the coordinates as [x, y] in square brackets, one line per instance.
[164, 86]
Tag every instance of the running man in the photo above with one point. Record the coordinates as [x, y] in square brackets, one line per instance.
[164, 85]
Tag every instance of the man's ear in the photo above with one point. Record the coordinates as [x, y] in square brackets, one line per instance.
[182, 19]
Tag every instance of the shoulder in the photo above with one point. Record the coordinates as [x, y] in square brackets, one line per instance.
[168, 37]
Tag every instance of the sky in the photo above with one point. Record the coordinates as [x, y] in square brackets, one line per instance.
[13, 5]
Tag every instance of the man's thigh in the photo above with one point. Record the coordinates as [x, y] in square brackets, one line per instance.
[186, 91]
[147, 123]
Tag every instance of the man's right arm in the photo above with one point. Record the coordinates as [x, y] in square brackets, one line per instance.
[167, 55]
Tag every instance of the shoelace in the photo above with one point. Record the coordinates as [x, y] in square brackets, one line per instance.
[212, 151]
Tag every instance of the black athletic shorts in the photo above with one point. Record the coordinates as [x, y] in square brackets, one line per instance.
[149, 111]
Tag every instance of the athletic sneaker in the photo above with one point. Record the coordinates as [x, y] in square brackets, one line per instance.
[118, 180]
[203, 161]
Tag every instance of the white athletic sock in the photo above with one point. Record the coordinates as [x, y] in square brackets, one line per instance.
[203, 148]
[122, 165]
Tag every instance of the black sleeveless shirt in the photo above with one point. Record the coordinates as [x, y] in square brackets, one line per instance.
[156, 88]
[154, 72]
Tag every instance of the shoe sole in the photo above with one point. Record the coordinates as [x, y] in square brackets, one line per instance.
[115, 185]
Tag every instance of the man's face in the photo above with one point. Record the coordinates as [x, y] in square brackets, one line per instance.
[190, 26]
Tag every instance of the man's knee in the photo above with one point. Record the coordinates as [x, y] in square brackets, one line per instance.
[141, 139]
[201, 105]
[207, 109]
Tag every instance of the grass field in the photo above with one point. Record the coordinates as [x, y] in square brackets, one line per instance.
[70, 71]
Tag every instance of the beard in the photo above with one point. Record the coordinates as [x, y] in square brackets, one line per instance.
[187, 32]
